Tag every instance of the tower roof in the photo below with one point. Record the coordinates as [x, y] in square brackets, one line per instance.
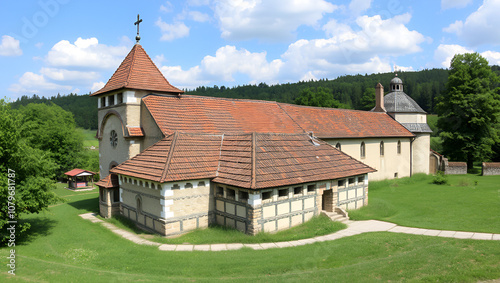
[400, 102]
[137, 71]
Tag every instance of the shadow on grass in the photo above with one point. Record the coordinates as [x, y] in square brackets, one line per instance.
[86, 205]
[39, 227]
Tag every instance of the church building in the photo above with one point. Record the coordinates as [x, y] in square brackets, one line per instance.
[173, 162]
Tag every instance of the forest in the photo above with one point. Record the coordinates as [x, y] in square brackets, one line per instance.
[350, 91]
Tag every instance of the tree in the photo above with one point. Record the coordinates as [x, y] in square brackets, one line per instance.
[26, 175]
[468, 109]
[368, 99]
[52, 129]
[320, 97]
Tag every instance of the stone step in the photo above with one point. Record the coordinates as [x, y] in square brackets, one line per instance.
[334, 216]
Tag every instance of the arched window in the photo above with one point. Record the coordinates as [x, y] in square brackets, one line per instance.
[362, 150]
[381, 148]
[399, 147]
[139, 205]
[338, 146]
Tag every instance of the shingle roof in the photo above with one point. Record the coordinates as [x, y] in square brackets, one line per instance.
[398, 101]
[137, 71]
[135, 131]
[417, 127]
[200, 114]
[247, 160]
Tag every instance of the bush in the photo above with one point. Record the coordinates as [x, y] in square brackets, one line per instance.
[440, 178]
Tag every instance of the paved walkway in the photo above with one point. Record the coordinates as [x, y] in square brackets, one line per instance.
[354, 228]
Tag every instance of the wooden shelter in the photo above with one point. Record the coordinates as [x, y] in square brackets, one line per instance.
[80, 179]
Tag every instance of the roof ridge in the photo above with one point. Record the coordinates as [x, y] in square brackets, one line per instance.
[132, 63]
[296, 123]
[169, 156]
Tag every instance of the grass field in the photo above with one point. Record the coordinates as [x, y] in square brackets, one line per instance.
[65, 248]
[89, 138]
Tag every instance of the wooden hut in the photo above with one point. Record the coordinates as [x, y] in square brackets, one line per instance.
[80, 179]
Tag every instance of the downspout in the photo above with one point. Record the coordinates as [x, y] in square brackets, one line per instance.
[411, 155]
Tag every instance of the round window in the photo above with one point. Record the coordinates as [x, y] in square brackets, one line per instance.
[113, 138]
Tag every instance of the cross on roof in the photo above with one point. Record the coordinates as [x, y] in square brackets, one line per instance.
[139, 20]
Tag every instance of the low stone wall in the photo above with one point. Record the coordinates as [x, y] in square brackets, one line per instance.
[491, 168]
[455, 168]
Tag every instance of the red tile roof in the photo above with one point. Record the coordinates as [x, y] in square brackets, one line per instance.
[77, 171]
[110, 181]
[345, 123]
[247, 160]
[137, 71]
[135, 131]
[201, 114]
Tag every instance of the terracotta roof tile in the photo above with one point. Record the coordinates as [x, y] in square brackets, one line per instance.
[135, 131]
[110, 181]
[77, 171]
[137, 71]
[247, 160]
[200, 114]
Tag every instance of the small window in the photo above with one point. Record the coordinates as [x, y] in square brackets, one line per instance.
[113, 138]
[297, 190]
[101, 195]
[399, 147]
[361, 179]
[135, 182]
[283, 193]
[311, 188]
[267, 195]
[243, 196]
[338, 146]
[140, 183]
[111, 100]
[103, 101]
[188, 186]
[341, 183]
[351, 181]
[119, 98]
[362, 150]
[139, 205]
[116, 196]
[396, 175]
[201, 184]
[219, 191]
[176, 187]
[381, 148]
[230, 194]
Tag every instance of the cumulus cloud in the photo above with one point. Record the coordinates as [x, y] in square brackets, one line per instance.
[97, 86]
[199, 16]
[269, 19]
[31, 83]
[9, 46]
[172, 31]
[85, 54]
[493, 57]
[445, 52]
[227, 62]
[480, 27]
[68, 76]
[359, 6]
[448, 4]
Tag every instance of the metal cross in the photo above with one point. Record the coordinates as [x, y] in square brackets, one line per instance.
[137, 38]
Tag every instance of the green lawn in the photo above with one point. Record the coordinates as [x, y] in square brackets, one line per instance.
[461, 205]
[66, 248]
[89, 138]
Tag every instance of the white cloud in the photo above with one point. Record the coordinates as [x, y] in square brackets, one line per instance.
[97, 86]
[444, 53]
[269, 19]
[9, 46]
[172, 31]
[359, 6]
[448, 4]
[167, 8]
[227, 62]
[85, 54]
[493, 57]
[480, 27]
[199, 16]
[31, 83]
[403, 69]
[68, 76]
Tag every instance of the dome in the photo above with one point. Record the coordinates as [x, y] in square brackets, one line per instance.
[396, 80]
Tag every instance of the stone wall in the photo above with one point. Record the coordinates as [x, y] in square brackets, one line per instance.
[491, 168]
[455, 168]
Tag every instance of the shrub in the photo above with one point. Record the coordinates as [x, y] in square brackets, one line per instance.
[440, 178]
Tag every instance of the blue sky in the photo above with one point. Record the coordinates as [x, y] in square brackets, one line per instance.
[62, 46]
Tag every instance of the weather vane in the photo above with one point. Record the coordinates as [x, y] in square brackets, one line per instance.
[139, 20]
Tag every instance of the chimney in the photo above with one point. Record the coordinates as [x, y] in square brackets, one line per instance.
[379, 99]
